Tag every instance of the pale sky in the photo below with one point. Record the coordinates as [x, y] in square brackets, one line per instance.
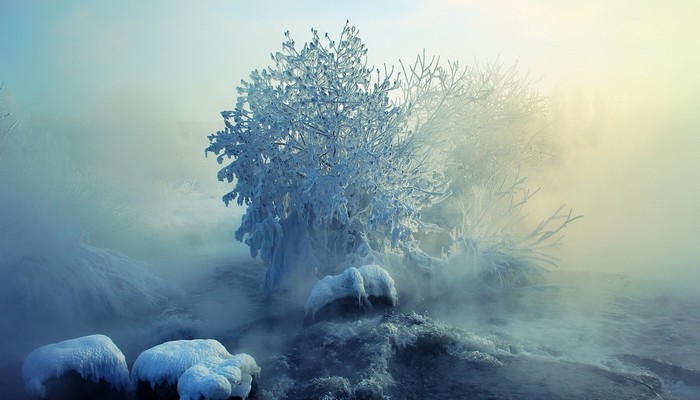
[184, 58]
[637, 187]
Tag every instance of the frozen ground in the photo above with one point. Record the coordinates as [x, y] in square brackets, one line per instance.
[585, 335]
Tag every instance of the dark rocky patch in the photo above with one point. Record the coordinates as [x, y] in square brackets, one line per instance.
[350, 309]
[668, 372]
[414, 357]
[71, 386]
[159, 391]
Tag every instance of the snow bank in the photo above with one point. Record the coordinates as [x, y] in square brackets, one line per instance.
[166, 362]
[368, 280]
[94, 357]
[218, 379]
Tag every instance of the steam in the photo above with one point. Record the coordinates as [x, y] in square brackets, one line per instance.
[629, 169]
[113, 119]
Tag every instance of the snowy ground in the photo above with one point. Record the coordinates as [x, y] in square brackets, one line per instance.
[587, 335]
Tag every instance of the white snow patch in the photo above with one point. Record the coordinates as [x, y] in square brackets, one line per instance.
[219, 379]
[94, 357]
[166, 362]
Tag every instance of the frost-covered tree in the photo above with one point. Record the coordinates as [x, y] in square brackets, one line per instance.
[485, 119]
[492, 238]
[480, 115]
[324, 159]
[488, 120]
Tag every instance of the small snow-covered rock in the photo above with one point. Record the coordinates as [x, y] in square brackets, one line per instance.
[378, 283]
[331, 288]
[94, 358]
[219, 379]
[210, 379]
[161, 366]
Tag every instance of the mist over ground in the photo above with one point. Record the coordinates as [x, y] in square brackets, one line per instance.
[112, 102]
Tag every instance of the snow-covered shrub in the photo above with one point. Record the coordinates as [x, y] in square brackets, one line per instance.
[489, 120]
[95, 358]
[68, 272]
[494, 246]
[55, 284]
[481, 117]
[219, 378]
[491, 239]
[324, 160]
[165, 363]
[478, 115]
[338, 168]
[61, 277]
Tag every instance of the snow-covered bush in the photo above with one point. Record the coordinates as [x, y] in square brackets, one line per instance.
[483, 117]
[219, 378]
[478, 115]
[165, 363]
[61, 277]
[337, 166]
[324, 160]
[490, 121]
[94, 358]
[68, 272]
[491, 238]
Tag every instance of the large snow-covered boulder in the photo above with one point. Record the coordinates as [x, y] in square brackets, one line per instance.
[86, 367]
[378, 283]
[367, 283]
[219, 379]
[158, 369]
[348, 284]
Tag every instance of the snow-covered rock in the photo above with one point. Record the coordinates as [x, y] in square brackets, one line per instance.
[219, 379]
[361, 283]
[163, 364]
[95, 358]
[378, 283]
[331, 288]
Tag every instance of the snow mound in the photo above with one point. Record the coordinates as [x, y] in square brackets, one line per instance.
[218, 378]
[166, 362]
[94, 357]
[362, 282]
[331, 288]
[378, 283]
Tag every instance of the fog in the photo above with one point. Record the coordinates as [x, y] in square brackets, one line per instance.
[114, 102]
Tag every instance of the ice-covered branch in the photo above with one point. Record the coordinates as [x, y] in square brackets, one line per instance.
[489, 235]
